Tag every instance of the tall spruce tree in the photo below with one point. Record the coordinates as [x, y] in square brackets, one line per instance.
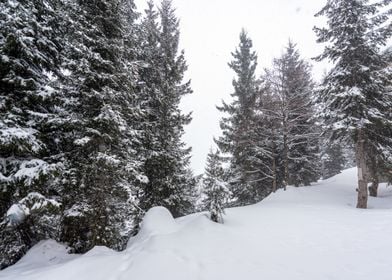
[31, 117]
[104, 165]
[380, 167]
[291, 86]
[353, 96]
[238, 125]
[170, 181]
[267, 148]
[215, 187]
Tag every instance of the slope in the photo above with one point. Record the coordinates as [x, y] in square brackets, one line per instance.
[304, 233]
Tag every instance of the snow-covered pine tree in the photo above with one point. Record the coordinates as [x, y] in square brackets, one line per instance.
[266, 145]
[354, 99]
[31, 117]
[238, 125]
[104, 169]
[150, 80]
[291, 86]
[380, 167]
[170, 181]
[215, 188]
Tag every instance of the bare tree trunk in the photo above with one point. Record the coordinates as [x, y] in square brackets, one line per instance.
[274, 183]
[286, 162]
[362, 172]
[373, 189]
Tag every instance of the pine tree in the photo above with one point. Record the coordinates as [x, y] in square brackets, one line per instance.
[31, 117]
[354, 93]
[215, 188]
[266, 137]
[380, 166]
[104, 165]
[238, 126]
[170, 181]
[291, 86]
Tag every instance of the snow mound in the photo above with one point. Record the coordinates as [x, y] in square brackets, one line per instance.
[99, 251]
[44, 254]
[47, 252]
[157, 221]
[16, 214]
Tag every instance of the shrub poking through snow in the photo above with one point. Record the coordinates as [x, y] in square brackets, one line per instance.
[215, 188]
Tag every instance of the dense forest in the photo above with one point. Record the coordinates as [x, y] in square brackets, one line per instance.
[91, 127]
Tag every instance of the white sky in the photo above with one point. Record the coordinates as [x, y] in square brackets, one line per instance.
[210, 32]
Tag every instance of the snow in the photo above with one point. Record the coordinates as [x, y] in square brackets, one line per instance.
[17, 134]
[302, 234]
[47, 91]
[30, 170]
[66, 72]
[16, 214]
[82, 141]
[31, 202]
[157, 221]
[5, 58]
[46, 253]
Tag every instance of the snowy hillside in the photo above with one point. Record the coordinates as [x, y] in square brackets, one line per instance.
[302, 234]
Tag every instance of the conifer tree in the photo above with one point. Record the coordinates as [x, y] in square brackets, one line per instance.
[354, 93]
[267, 145]
[380, 167]
[104, 165]
[215, 188]
[31, 117]
[291, 87]
[238, 125]
[170, 181]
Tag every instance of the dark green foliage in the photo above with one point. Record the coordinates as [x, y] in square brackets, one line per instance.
[238, 125]
[292, 113]
[354, 96]
[103, 158]
[170, 182]
[31, 121]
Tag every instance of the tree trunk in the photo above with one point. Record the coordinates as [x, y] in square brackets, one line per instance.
[362, 172]
[286, 162]
[373, 189]
[274, 183]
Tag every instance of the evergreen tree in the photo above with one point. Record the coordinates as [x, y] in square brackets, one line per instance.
[291, 86]
[268, 154]
[238, 126]
[170, 181]
[104, 165]
[380, 166]
[31, 117]
[215, 188]
[354, 93]
[88, 104]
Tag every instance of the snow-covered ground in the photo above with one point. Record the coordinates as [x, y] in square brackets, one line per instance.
[309, 233]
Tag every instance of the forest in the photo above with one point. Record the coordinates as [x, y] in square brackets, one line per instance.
[91, 129]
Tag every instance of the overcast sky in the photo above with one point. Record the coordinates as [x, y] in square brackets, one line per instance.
[210, 32]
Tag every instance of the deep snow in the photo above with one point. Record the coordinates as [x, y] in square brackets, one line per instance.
[308, 233]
